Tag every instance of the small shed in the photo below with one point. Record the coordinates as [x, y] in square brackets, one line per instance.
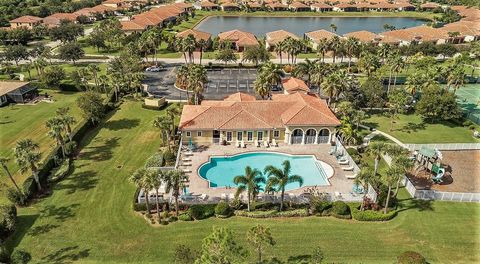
[17, 92]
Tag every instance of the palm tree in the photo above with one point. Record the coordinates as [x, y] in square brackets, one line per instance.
[27, 157]
[376, 149]
[280, 177]
[305, 68]
[250, 182]
[3, 164]
[271, 72]
[153, 180]
[56, 128]
[351, 47]
[320, 70]
[392, 176]
[364, 178]
[323, 47]
[94, 70]
[334, 46]
[63, 114]
[165, 125]
[456, 78]
[384, 51]
[262, 86]
[279, 49]
[397, 64]
[349, 134]
[174, 182]
[141, 179]
[197, 77]
[333, 27]
[369, 63]
[332, 84]
[202, 45]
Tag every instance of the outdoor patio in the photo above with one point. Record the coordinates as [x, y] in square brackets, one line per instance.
[340, 187]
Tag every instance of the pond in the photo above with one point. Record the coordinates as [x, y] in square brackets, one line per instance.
[299, 25]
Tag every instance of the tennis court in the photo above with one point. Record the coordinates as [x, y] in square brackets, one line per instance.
[469, 101]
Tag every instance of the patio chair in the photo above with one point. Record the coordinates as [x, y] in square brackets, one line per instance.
[187, 170]
[186, 159]
[343, 162]
[187, 164]
[203, 196]
[274, 143]
[242, 144]
[237, 143]
[223, 196]
[257, 144]
[188, 153]
[332, 150]
[351, 176]
[265, 144]
[438, 178]
[348, 168]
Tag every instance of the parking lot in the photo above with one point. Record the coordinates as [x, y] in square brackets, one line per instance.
[221, 83]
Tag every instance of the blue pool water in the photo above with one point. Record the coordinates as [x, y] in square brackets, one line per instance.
[220, 171]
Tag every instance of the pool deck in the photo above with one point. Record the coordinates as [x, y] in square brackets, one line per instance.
[198, 185]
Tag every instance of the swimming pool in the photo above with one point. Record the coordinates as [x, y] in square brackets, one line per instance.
[220, 170]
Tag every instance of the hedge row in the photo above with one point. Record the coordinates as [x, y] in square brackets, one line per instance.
[8, 220]
[272, 213]
[370, 215]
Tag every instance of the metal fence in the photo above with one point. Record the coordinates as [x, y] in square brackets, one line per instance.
[446, 146]
[439, 195]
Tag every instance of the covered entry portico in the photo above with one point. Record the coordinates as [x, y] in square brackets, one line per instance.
[308, 136]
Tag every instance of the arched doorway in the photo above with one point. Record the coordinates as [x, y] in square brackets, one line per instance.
[310, 136]
[323, 136]
[297, 136]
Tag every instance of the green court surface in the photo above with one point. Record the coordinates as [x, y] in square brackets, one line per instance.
[469, 100]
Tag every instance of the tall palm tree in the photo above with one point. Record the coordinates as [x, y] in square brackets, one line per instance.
[456, 78]
[56, 128]
[392, 176]
[334, 46]
[63, 114]
[262, 86]
[280, 177]
[332, 84]
[197, 77]
[396, 65]
[189, 45]
[322, 47]
[384, 51]
[364, 178]
[271, 72]
[249, 182]
[154, 179]
[305, 68]
[165, 126]
[175, 182]
[376, 149]
[279, 49]
[202, 45]
[27, 157]
[320, 70]
[94, 70]
[351, 46]
[3, 164]
[141, 179]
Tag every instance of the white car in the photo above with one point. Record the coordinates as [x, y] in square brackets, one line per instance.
[154, 69]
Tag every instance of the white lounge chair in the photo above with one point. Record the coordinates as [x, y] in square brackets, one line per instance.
[338, 195]
[257, 144]
[187, 159]
[187, 170]
[203, 196]
[223, 196]
[348, 168]
[274, 143]
[188, 153]
[237, 144]
[242, 144]
[343, 162]
[351, 176]
[265, 144]
[187, 164]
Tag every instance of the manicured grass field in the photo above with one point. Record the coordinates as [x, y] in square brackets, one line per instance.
[412, 129]
[89, 217]
[28, 121]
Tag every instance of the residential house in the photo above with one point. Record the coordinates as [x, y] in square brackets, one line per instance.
[197, 35]
[207, 5]
[230, 7]
[430, 6]
[299, 7]
[25, 22]
[294, 85]
[16, 92]
[55, 19]
[239, 39]
[321, 7]
[297, 118]
[364, 36]
[314, 37]
[277, 6]
[274, 37]
[344, 7]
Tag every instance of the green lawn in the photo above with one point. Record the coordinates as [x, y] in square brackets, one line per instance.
[412, 129]
[28, 121]
[89, 218]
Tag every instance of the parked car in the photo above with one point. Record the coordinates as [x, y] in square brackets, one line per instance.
[154, 69]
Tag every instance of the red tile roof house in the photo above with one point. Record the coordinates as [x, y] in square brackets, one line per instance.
[25, 22]
[277, 6]
[197, 35]
[207, 5]
[321, 7]
[274, 37]
[314, 37]
[299, 7]
[230, 7]
[344, 7]
[297, 118]
[55, 19]
[240, 39]
[294, 85]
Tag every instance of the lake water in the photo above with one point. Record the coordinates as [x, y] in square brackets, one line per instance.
[299, 25]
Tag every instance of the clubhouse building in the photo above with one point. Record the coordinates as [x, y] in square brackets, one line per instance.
[291, 118]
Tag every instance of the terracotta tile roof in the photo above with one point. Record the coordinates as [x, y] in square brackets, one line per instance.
[322, 5]
[276, 36]
[26, 19]
[8, 86]
[344, 5]
[198, 35]
[131, 26]
[208, 4]
[298, 5]
[292, 85]
[292, 109]
[240, 38]
[429, 5]
[240, 97]
[256, 5]
[85, 11]
[363, 36]
[229, 5]
[317, 35]
[55, 19]
[102, 8]
[277, 5]
[465, 28]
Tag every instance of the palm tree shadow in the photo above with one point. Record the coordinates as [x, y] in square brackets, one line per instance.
[24, 223]
[412, 127]
[419, 205]
[66, 255]
[60, 213]
[299, 259]
[42, 229]
[100, 153]
[120, 124]
[80, 181]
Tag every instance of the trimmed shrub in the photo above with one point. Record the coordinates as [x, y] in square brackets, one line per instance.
[370, 215]
[164, 222]
[8, 220]
[29, 187]
[156, 160]
[411, 257]
[4, 254]
[20, 257]
[169, 156]
[273, 213]
[138, 207]
[201, 211]
[340, 208]
[293, 213]
[184, 217]
[164, 214]
[172, 219]
[222, 209]
[317, 206]
[61, 171]
[16, 197]
[265, 206]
